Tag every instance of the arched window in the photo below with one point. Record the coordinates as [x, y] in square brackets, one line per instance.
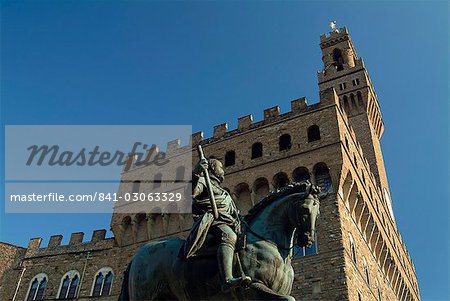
[346, 105]
[300, 174]
[98, 285]
[243, 196]
[41, 290]
[64, 288]
[280, 180]
[107, 284]
[360, 100]
[352, 248]
[313, 133]
[366, 271]
[379, 294]
[136, 186]
[257, 150]
[352, 99]
[102, 282]
[158, 180]
[37, 287]
[322, 176]
[284, 142]
[179, 177]
[69, 285]
[230, 158]
[338, 59]
[73, 288]
[260, 189]
[33, 290]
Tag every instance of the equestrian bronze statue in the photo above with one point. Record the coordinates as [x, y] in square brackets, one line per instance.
[227, 256]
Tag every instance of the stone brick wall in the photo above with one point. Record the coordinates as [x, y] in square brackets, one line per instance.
[10, 261]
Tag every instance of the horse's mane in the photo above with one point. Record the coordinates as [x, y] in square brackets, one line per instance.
[295, 187]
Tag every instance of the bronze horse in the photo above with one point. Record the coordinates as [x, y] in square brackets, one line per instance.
[158, 272]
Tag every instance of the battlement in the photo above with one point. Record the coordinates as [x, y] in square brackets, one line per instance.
[270, 115]
[334, 36]
[173, 149]
[76, 244]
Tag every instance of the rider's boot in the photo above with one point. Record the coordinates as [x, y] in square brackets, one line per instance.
[225, 255]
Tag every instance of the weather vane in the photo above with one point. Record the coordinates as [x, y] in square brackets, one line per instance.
[333, 26]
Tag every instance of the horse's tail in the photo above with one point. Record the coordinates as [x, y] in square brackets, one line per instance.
[124, 294]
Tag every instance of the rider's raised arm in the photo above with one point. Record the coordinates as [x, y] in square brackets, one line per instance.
[198, 182]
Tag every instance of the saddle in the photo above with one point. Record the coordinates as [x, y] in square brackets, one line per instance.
[209, 247]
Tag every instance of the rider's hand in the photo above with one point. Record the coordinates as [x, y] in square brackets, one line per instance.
[201, 166]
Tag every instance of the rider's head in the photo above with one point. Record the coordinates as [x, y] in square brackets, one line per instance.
[216, 168]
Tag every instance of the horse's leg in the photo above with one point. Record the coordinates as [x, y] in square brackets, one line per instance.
[262, 292]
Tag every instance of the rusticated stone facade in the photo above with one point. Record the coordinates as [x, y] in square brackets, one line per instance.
[359, 253]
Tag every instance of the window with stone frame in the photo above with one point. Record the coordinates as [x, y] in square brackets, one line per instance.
[313, 133]
[102, 282]
[136, 186]
[69, 285]
[36, 291]
[230, 158]
[366, 271]
[180, 172]
[157, 180]
[301, 174]
[352, 249]
[338, 59]
[257, 150]
[284, 143]
[322, 177]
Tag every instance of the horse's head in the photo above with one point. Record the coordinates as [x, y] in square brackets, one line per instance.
[304, 214]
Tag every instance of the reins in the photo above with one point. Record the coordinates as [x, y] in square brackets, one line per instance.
[262, 237]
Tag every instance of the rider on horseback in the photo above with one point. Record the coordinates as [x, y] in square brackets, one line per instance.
[225, 227]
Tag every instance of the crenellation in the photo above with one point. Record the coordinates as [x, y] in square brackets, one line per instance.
[245, 122]
[196, 138]
[76, 238]
[35, 243]
[271, 113]
[220, 130]
[55, 241]
[299, 105]
[98, 235]
[173, 146]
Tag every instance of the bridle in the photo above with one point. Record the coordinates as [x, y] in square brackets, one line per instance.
[298, 222]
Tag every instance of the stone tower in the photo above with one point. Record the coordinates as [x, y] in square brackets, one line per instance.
[345, 71]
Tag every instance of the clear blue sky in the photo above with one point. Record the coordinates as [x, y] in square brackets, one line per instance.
[204, 63]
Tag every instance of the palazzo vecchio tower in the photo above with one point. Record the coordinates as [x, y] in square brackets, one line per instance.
[359, 253]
